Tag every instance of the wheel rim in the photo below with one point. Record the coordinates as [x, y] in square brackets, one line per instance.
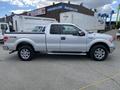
[25, 53]
[99, 53]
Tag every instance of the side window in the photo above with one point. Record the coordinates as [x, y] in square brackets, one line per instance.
[39, 29]
[55, 29]
[70, 30]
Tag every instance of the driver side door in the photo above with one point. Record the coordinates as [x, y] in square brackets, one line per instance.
[71, 41]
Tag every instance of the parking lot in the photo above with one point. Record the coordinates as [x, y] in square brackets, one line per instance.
[51, 72]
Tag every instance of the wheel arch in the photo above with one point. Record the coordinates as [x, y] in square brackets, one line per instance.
[100, 43]
[24, 44]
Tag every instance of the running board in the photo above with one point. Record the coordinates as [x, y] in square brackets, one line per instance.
[68, 53]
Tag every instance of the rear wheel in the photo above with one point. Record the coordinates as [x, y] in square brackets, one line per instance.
[99, 53]
[25, 53]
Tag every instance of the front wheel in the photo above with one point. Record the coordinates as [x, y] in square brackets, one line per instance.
[99, 53]
[25, 53]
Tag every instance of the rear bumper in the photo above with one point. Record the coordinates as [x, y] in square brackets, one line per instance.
[5, 48]
[8, 47]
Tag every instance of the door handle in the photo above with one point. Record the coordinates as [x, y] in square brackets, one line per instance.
[63, 38]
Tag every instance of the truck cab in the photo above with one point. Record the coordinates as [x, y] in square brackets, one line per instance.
[4, 27]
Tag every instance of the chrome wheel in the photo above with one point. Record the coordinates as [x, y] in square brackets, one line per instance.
[25, 53]
[99, 53]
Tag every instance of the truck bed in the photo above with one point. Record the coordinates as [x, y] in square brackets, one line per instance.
[38, 40]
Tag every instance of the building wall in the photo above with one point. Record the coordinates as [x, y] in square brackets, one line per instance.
[54, 11]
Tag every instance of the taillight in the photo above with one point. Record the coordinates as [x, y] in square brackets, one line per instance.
[5, 38]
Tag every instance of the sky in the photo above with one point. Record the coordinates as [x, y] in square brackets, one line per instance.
[19, 6]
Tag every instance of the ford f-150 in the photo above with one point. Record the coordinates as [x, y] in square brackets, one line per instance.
[59, 38]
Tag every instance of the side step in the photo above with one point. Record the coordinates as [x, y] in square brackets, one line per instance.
[68, 53]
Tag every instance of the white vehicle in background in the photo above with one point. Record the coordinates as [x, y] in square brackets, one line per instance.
[27, 23]
[87, 22]
[3, 28]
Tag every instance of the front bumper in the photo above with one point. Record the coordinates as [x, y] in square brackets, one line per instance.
[112, 49]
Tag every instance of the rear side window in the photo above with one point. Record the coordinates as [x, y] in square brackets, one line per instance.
[55, 29]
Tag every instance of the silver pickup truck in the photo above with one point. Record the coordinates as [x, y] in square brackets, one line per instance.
[59, 38]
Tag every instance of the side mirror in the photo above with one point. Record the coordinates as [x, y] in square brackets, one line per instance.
[81, 33]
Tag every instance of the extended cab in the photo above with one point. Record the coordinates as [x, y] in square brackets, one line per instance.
[59, 38]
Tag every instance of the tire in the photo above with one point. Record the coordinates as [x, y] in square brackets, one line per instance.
[99, 53]
[25, 53]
